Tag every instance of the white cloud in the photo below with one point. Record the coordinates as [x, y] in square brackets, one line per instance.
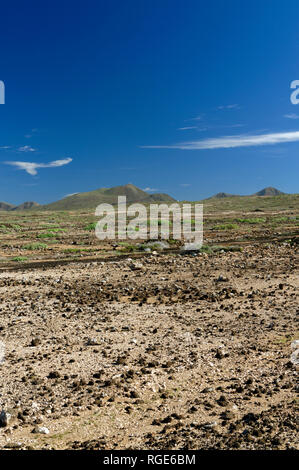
[5, 147]
[33, 131]
[186, 128]
[291, 116]
[31, 167]
[185, 185]
[233, 141]
[197, 118]
[26, 148]
[229, 106]
[150, 190]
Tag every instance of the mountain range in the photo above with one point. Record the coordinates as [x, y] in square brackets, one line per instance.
[90, 199]
[269, 191]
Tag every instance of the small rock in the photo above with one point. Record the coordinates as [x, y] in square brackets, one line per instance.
[135, 266]
[211, 425]
[219, 354]
[92, 342]
[228, 414]
[13, 445]
[41, 430]
[35, 342]
[4, 419]
[54, 375]
[223, 401]
[221, 279]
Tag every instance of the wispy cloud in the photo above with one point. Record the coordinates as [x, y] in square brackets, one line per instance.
[186, 128]
[33, 131]
[5, 147]
[197, 118]
[185, 185]
[233, 141]
[229, 106]
[150, 190]
[31, 167]
[26, 148]
[233, 125]
[291, 116]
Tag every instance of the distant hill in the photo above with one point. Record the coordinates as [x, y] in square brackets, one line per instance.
[5, 206]
[221, 195]
[269, 191]
[25, 206]
[91, 199]
[160, 197]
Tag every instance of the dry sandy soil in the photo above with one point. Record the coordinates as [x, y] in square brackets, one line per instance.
[164, 352]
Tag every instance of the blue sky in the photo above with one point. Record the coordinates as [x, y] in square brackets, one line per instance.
[184, 97]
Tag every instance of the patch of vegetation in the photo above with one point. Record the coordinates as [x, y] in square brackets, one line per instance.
[226, 227]
[189, 221]
[16, 227]
[255, 220]
[159, 222]
[55, 230]
[172, 241]
[46, 235]
[127, 247]
[4, 229]
[206, 249]
[91, 226]
[233, 248]
[20, 259]
[216, 249]
[78, 250]
[10, 227]
[35, 246]
[281, 219]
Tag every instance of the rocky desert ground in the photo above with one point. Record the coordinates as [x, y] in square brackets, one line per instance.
[151, 350]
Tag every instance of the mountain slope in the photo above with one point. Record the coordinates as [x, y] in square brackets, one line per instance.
[5, 206]
[222, 195]
[160, 197]
[25, 206]
[91, 199]
[269, 191]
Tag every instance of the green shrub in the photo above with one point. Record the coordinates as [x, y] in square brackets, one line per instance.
[35, 246]
[233, 248]
[91, 226]
[256, 220]
[226, 227]
[46, 235]
[55, 230]
[206, 249]
[78, 250]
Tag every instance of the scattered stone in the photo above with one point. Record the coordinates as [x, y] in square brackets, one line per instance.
[41, 430]
[92, 342]
[35, 342]
[136, 266]
[223, 401]
[54, 375]
[5, 418]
